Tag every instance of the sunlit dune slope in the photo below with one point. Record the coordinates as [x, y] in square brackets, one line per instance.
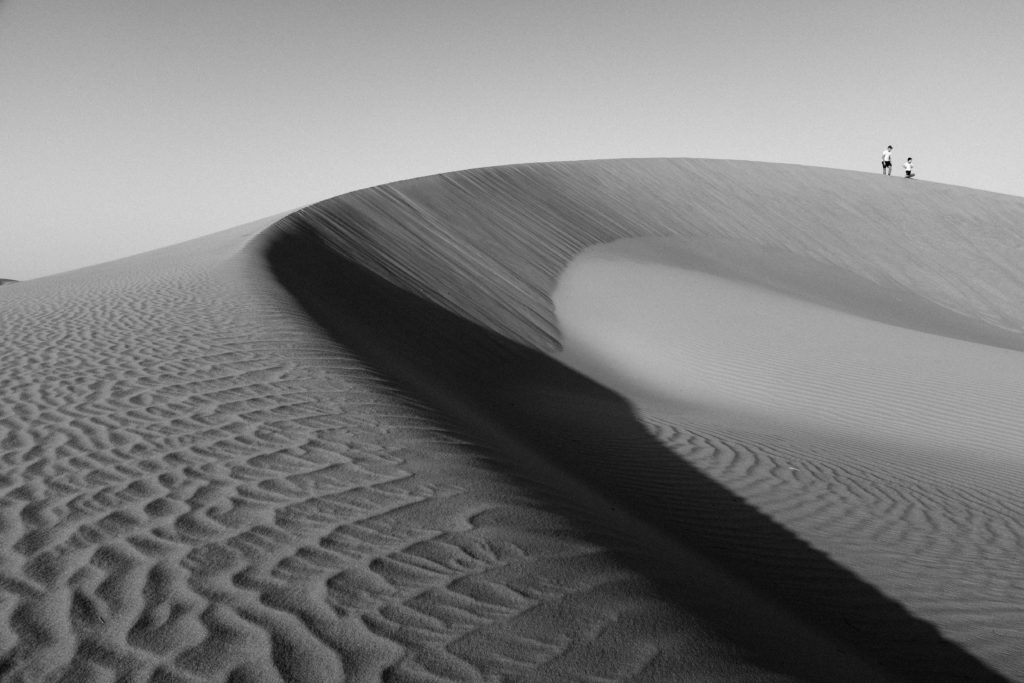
[486, 242]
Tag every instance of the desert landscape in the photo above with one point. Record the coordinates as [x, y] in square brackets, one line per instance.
[623, 420]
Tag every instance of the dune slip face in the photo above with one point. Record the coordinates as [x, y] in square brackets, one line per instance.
[383, 438]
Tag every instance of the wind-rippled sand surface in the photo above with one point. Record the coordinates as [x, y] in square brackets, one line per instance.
[346, 445]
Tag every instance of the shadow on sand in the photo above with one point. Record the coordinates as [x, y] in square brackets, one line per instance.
[591, 435]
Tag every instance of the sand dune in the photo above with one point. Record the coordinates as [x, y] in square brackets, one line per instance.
[624, 420]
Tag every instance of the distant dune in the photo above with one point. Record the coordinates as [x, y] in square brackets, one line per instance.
[6, 282]
[650, 420]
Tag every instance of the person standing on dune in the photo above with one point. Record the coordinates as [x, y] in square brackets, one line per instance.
[909, 167]
[887, 161]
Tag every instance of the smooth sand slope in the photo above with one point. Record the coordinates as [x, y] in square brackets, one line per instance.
[624, 420]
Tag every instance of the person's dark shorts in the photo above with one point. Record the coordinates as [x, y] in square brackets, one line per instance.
[886, 164]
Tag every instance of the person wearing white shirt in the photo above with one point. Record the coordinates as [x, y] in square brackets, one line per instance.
[887, 160]
[909, 167]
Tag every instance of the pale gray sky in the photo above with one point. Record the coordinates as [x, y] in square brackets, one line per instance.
[127, 125]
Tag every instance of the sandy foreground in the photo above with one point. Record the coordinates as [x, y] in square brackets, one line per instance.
[651, 420]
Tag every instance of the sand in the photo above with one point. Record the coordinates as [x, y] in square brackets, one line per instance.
[593, 421]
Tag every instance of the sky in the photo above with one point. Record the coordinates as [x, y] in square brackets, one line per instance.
[128, 125]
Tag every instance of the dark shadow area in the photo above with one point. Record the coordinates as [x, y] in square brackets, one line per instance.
[591, 434]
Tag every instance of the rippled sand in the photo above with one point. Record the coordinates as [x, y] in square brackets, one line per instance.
[362, 443]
